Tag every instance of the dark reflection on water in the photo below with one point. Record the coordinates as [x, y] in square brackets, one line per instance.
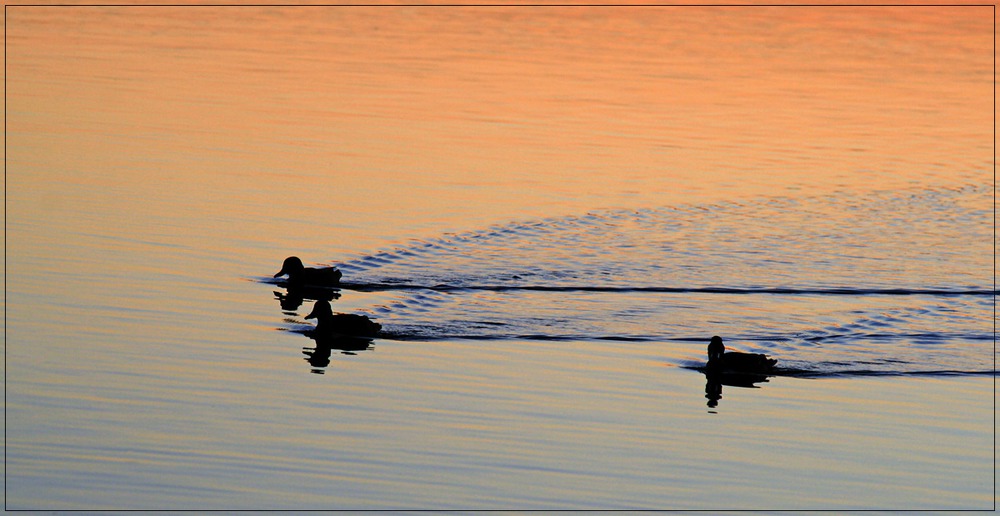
[325, 344]
[319, 356]
[291, 300]
[715, 380]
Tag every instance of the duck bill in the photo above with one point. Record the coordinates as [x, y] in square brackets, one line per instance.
[312, 315]
[282, 272]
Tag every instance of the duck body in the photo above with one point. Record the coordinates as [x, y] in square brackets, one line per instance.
[329, 323]
[299, 274]
[720, 360]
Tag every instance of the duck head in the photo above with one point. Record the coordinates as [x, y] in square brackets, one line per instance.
[715, 349]
[291, 266]
[321, 310]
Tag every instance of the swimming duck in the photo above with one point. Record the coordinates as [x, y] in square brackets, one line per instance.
[298, 274]
[735, 361]
[328, 322]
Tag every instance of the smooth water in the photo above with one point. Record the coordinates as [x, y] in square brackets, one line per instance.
[549, 210]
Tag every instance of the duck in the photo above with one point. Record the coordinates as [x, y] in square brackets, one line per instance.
[299, 274]
[328, 323]
[719, 360]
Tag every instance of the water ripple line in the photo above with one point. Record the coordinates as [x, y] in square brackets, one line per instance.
[832, 291]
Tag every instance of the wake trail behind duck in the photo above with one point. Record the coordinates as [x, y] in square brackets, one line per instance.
[892, 278]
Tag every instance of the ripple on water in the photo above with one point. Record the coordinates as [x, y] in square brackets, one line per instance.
[833, 284]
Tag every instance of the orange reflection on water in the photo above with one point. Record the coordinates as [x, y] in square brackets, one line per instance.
[294, 130]
[491, 107]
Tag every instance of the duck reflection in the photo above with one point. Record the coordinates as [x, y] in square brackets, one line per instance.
[319, 356]
[294, 295]
[714, 381]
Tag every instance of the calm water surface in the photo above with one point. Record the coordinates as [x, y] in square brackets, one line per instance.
[550, 210]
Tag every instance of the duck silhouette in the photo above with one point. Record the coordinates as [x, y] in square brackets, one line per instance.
[329, 323]
[299, 274]
[720, 360]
